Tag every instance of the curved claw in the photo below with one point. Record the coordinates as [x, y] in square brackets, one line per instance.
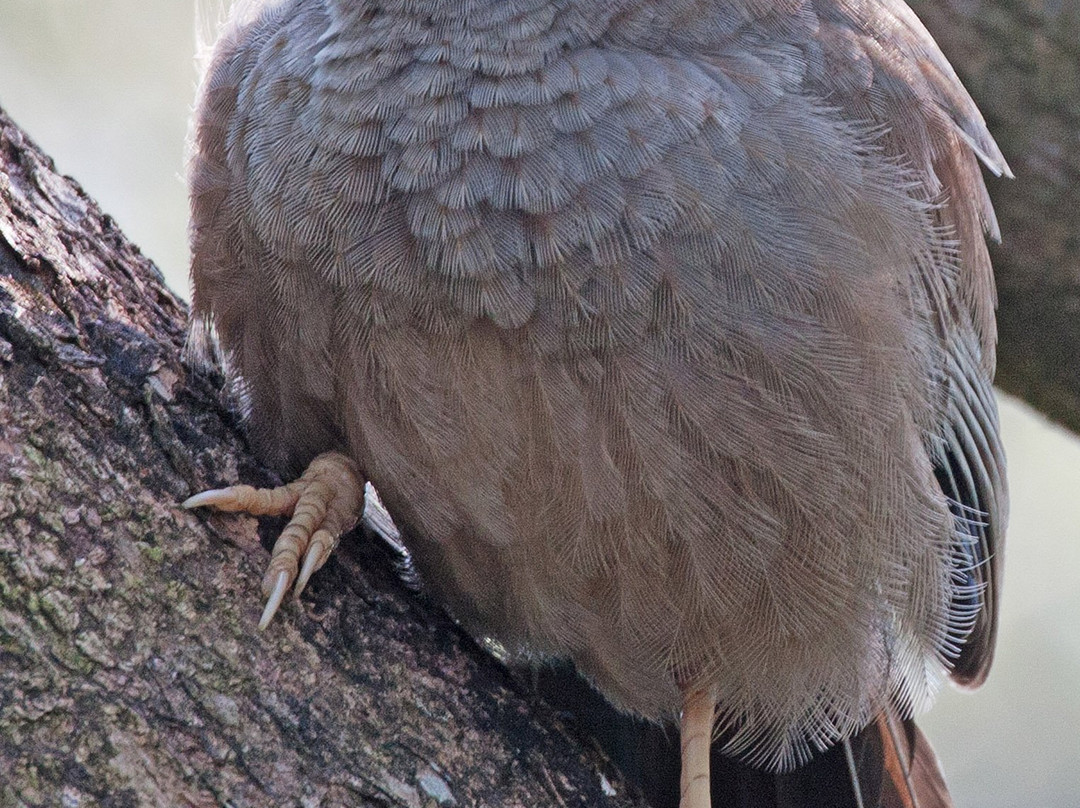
[318, 551]
[273, 601]
[211, 498]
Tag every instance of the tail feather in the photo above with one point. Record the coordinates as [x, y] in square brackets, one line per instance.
[889, 764]
[914, 778]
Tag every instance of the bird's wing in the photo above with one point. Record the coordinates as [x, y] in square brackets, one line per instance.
[879, 64]
[874, 62]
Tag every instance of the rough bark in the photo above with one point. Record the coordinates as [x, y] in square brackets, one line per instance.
[1021, 61]
[131, 673]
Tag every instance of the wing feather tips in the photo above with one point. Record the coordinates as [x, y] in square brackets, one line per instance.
[970, 469]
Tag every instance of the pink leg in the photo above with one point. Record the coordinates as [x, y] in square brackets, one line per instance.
[695, 739]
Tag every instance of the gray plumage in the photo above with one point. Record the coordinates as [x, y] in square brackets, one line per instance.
[665, 329]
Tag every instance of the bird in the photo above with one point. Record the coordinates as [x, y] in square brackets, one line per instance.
[665, 331]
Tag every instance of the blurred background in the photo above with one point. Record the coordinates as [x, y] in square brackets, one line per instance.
[106, 87]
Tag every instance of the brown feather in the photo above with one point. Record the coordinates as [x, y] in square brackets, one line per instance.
[914, 778]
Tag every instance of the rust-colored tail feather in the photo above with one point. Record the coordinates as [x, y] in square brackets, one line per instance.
[913, 776]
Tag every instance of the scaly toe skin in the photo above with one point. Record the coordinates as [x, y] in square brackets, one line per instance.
[696, 731]
[324, 503]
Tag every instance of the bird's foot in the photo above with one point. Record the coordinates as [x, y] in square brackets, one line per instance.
[327, 501]
[695, 740]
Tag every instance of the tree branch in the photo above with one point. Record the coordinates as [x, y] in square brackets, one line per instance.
[130, 669]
